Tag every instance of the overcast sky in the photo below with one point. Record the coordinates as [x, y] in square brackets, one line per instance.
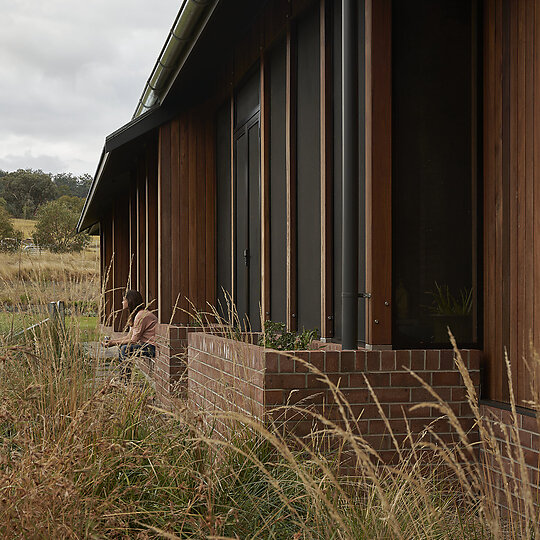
[72, 72]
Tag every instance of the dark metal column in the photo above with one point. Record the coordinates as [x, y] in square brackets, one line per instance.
[350, 174]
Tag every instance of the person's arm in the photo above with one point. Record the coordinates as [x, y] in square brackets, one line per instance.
[124, 340]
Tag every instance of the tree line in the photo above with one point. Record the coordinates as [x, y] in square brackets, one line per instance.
[25, 190]
[54, 201]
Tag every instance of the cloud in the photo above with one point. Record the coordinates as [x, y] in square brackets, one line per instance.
[72, 72]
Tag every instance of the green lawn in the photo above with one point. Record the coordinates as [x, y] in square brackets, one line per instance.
[19, 321]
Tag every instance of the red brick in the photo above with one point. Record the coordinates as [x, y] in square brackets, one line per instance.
[397, 411]
[376, 380]
[379, 426]
[403, 360]
[316, 361]
[418, 360]
[272, 362]
[532, 458]
[446, 361]
[356, 396]
[432, 360]
[388, 360]
[458, 393]
[403, 378]
[446, 378]
[305, 397]
[393, 395]
[286, 363]
[368, 411]
[420, 395]
[360, 361]
[530, 423]
[475, 358]
[347, 361]
[373, 361]
[475, 377]
[274, 381]
[332, 361]
[317, 381]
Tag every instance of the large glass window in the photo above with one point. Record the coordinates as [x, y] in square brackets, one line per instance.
[435, 148]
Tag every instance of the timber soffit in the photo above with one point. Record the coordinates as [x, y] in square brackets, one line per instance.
[188, 26]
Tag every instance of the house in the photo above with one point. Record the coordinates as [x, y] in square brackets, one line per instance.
[369, 168]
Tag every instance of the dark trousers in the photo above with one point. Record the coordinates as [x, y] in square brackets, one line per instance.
[127, 352]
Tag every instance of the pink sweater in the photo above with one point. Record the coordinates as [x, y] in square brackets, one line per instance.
[144, 328]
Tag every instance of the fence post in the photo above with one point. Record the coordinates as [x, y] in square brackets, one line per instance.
[57, 312]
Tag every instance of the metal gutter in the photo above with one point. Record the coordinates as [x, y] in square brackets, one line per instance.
[349, 306]
[186, 29]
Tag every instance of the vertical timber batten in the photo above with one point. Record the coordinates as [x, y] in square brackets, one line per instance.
[379, 172]
[211, 253]
[133, 243]
[265, 187]
[151, 226]
[233, 214]
[350, 180]
[183, 233]
[327, 167]
[164, 245]
[176, 236]
[141, 226]
[290, 159]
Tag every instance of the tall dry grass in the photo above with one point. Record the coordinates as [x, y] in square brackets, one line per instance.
[36, 279]
[82, 456]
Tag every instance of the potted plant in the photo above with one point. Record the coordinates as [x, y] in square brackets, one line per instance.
[451, 311]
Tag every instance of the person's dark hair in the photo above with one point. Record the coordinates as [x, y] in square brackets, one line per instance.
[135, 302]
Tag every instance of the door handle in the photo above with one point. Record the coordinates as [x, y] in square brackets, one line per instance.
[246, 256]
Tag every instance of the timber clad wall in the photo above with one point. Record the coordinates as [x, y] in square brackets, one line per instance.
[511, 191]
[186, 202]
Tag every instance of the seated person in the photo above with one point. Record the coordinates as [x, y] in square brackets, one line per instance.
[141, 338]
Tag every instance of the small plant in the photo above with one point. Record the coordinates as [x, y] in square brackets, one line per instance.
[276, 336]
[445, 303]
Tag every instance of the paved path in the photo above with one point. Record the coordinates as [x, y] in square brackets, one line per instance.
[105, 364]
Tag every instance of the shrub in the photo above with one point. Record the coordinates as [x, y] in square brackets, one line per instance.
[275, 336]
[56, 226]
[10, 238]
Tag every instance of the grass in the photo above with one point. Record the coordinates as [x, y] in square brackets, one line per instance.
[83, 456]
[26, 226]
[86, 326]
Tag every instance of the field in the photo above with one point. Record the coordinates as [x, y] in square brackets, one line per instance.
[29, 281]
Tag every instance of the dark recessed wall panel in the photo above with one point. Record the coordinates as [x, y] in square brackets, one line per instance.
[254, 228]
[241, 225]
[308, 173]
[278, 188]
[223, 203]
[247, 99]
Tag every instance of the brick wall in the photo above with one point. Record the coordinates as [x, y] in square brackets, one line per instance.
[225, 375]
[168, 371]
[527, 433]
[230, 376]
